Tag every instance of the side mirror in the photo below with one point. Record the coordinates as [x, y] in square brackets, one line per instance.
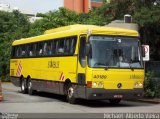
[88, 47]
[143, 51]
[83, 62]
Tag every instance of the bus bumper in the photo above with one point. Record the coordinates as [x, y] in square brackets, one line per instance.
[96, 94]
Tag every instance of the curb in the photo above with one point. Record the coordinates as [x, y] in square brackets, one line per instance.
[154, 101]
[6, 82]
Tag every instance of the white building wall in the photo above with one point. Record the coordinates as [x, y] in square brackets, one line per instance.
[5, 7]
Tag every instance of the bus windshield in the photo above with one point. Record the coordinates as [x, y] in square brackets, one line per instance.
[116, 52]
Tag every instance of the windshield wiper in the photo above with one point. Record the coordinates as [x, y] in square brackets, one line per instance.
[101, 64]
[131, 65]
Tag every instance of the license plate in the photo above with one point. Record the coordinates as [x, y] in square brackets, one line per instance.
[118, 96]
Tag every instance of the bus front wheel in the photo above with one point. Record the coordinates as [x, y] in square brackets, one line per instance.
[70, 94]
[23, 86]
[114, 101]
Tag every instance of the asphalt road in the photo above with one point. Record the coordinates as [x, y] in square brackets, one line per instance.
[16, 102]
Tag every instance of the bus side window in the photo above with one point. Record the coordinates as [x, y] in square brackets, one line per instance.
[23, 50]
[73, 44]
[40, 49]
[49, 48]
[18, 51]
[82, 51]
[60, 49]
[31, 50]
[66, 46]
[27, 51]
[45, 48]
[70, 44]
[34, 49]
[53, 47]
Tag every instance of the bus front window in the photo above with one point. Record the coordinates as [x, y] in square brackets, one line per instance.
[116, 52]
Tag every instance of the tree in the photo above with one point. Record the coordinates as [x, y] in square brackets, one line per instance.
[13, 26]
[53, 19]
[149, 22]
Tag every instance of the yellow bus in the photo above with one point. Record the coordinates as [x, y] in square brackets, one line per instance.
[80, 61]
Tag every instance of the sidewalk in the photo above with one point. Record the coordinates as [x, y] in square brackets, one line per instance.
[6, 82]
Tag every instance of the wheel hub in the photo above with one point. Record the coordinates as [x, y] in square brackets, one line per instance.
[29, 85]
[70, 92]
[23, 87]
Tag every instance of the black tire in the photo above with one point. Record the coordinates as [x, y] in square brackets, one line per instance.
[23, 86]
[114, 101]
[70, 94]
[29, 87]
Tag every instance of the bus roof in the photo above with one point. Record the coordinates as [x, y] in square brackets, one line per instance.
[76, 30]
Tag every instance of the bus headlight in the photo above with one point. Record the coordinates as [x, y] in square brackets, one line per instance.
[138, 84]
[94, 84]
[100, 84]
[97, 84]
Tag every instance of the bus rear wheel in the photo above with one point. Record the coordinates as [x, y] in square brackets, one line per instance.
[70, 94]
[114, 101]
[23, 86]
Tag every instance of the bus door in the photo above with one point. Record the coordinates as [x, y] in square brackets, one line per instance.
[81, 68]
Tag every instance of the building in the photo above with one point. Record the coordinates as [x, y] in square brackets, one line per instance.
[6, 7]
[82, 5]
[96, 3]
[78, 6]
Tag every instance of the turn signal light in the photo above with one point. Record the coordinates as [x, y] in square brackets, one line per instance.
[89, 84]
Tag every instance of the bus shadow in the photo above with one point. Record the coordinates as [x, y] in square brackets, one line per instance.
[51, 96]
[93, 103]
[104, 103]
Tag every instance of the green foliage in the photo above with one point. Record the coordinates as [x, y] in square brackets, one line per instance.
[146, 17]
[149, 82]
[149, 94]
[12, 26]
[157, 89]
[16, 25]
[151, 86]
[149, 22]
[93, 18]
[53, 19]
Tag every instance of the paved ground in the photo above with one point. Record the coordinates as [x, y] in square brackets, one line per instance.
[16, 102]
